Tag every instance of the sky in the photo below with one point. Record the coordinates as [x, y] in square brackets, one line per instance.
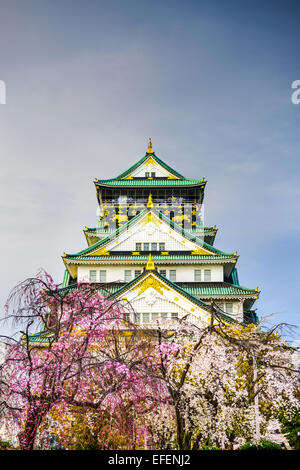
[88, 82]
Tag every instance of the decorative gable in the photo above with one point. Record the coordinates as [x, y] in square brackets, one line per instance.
[150, 229]
[155, 299]
[150, 168]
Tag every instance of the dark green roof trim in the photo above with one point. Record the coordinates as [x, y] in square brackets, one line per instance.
[150, 183]
[234, 277]
[40, 337]
[211, 230]
[143, 159]
[66, 279]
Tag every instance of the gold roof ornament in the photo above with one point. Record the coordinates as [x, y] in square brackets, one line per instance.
[150, 149]
[150, 202]
[150, 265]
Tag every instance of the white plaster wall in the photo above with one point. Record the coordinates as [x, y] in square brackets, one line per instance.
[113, 273]
[184, 273]
[159, 171]
[151, 233]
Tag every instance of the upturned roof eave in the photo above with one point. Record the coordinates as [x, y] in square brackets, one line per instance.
[148, 183]
[210, 230]
[141, 258]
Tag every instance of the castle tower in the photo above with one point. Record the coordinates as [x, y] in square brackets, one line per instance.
[152, 249]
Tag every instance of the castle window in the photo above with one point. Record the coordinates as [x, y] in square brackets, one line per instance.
[137, 317]
[154, 246]
[147, 174]
[229, 307]
[102, 276]
[127, 275]
[93, 275]
[207, 275]
[163, 272]
[152, 175]
[172, 275]
[197, 275]
[137, 272]
[146, 317]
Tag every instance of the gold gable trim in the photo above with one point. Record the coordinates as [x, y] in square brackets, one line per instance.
[151, 281]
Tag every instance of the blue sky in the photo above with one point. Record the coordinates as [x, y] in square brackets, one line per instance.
[209, 82]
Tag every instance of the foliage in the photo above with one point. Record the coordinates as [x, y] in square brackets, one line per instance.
[209, 373]
[291, 428]
[261, 445]
[5, 445]
[86, 362]
[210, 448]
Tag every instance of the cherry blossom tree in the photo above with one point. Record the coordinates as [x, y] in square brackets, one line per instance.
[225, 381]
[81, 365]
[86, 359]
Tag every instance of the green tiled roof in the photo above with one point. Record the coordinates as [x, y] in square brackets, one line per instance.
[40, 337]
[216, 288]
[144, 258]
[191, 231]
[149, 182]
[143, 159]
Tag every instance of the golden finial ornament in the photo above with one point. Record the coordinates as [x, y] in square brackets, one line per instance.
[150, 149]
[150, 202]
[150, 265]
